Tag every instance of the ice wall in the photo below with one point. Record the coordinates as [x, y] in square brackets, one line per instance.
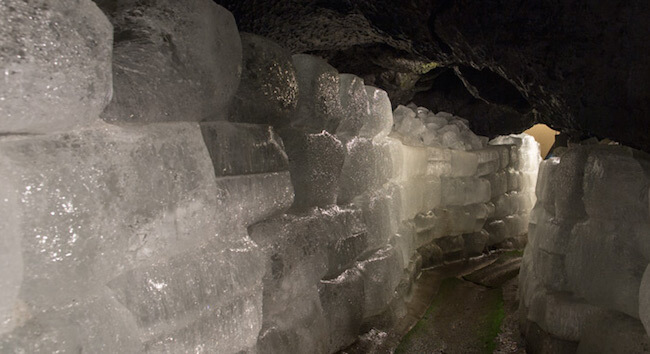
[584, 279]
[217, 194]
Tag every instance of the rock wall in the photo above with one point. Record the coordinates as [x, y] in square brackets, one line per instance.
[229, 198]
[582, 282]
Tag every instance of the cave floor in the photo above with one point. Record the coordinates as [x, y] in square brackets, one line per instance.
[465, 307]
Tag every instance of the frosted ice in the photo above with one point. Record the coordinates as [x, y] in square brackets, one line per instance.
[238, 149]
[380, 120]
[381, 213]
[315, 162]
[86, 220]
[268, 92]
[57, 82]
[217, 288]
[319, 103]
[606, 276]
[381, 273]
[340, 301]
[644, 300]
[355, 104]
[465, 190]
[561, 315]
[179, 61]
[367, 166]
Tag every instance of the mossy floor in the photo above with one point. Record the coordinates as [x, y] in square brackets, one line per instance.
[467, 314]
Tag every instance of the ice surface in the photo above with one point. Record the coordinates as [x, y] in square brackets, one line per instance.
[343, 311]
[607, 276]
[498, 183]
[244, 200]
[238, 149]
[319, 104]
[208, 297]
[381, 213]
[268, 92]
[463, 164]
[417, 126]
[524, 153]
[59, 57]
[411, 161]
[315, 162]
[231, 328]
[355, 104]
[561, 315]
[613, 332]
[550, 269]
[419, 194]
[475, 243]
[179, 61]
[644, 300]
[615, 185]
[11, 257]
[300, 326]
[99, 325]
[380, 120]
[458, 220]
[381, 273]
[404, 241]
[123, 197]
[453, 247]
[367, 166]
[465, 190]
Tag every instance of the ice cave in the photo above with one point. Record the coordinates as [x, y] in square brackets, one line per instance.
[307, 176]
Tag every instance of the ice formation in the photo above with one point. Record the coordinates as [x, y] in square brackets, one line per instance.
[583, 270]
[292, 227]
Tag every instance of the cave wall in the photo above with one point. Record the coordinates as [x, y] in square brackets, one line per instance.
[179, 187]
[580, 68]
[584, 276]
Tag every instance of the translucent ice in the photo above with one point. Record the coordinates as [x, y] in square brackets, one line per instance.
[132, 196]
[178, 61]
[59, 57]
[381, 273]
[355, 104]
[644, 300]
[238, 149]
[606, 276]
[340, 301]
[367, 166]
[465, 190]
[380, 121]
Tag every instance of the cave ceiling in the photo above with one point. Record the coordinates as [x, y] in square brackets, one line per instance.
[579, 66]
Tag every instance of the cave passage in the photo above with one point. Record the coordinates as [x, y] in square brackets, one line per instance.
[171, 184]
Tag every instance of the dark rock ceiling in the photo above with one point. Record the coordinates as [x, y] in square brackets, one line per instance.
[578, 66]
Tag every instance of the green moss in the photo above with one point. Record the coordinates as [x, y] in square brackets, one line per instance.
[488, 333]
[424, 324]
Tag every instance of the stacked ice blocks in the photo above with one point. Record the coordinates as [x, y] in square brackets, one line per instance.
[588, 250]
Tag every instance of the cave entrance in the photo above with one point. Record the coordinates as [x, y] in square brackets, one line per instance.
[544, 135]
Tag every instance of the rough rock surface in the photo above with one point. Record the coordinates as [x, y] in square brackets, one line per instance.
[55, 64]
[581, 69]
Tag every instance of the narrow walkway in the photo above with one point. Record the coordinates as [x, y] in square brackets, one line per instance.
[473, 313]
[465, 307]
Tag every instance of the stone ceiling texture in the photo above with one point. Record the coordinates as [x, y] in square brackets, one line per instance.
[578, 66]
